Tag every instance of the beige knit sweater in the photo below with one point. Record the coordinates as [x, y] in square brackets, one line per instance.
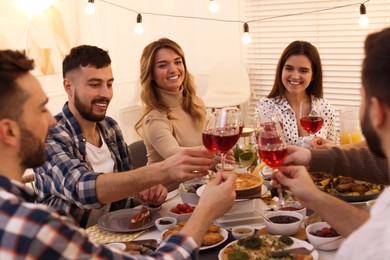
[165, 136]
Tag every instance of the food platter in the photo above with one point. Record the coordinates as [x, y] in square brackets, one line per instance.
[222, 231]
[297, 243]
[346, 188]
[119, 221]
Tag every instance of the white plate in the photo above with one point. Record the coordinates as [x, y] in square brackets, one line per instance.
[222, 231]
[172, 194]
[297, 243]
[119, 220]
[264, 189]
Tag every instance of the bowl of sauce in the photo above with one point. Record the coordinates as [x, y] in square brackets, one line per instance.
[283, 222]
[295, 206]
[242, 231]
[165, 223]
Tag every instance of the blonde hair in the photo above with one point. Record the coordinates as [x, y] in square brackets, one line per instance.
[149, 93]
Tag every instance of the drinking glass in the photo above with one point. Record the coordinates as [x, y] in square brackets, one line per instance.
[310, 120]
[272, 148]
[226, 131]
[207, 134]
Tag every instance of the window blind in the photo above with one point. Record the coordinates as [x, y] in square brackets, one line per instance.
[335, 32]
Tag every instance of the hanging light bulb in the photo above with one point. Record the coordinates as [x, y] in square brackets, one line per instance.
[139, 29]
[246, 38]
[90, 8]
[213, 6]
[363, 20]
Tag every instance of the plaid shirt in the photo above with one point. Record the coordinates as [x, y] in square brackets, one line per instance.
[66, 180]
[35, 231]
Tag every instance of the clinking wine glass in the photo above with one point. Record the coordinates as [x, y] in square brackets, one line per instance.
[226, 131]
[310, 120]
[272, 148]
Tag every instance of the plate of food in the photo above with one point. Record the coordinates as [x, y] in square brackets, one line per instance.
[248, 186]
[214, 236]
[346, 188]
[128, 220]
[267, 246]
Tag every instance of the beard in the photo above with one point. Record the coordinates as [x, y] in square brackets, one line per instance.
[372, 138]
[86, 111]
[32, 150]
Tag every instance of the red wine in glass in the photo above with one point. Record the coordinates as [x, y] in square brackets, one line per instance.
[273, 155]
[209, 142]
[225, 139]
[311, 124]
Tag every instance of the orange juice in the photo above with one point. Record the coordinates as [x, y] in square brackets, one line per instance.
[351, 137]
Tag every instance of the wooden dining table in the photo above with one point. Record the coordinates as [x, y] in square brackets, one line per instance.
[210, 253]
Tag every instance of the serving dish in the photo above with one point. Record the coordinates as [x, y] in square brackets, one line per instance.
[119, 220]
[297, 243]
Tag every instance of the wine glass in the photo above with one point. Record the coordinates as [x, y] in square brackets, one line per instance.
[272, 147]
[207, 134]
[227, 130]
[310, 120]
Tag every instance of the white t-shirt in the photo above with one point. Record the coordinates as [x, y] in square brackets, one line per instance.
[370, 241]
[101, 161]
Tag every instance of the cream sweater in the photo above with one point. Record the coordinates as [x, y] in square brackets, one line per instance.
[165, 136]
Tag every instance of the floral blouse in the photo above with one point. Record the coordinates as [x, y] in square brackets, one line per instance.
[288, 117]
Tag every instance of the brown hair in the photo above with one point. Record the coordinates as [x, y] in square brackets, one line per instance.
[149, 94]
[311, 52]
[13, 65]
[376, 66]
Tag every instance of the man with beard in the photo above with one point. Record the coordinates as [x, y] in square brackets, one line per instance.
[33, 231]
[367, 233]
[86, 143]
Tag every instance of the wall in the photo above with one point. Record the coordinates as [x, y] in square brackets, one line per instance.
[204, 42]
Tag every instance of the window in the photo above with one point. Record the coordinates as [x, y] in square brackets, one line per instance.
[335, 32]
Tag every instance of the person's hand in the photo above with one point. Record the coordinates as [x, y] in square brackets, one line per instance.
[297, 180]
[297, 156]
[319, 142]
[155, 195]
[219, 195]
[187, 164]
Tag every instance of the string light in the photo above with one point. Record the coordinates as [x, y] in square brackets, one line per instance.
[139, 29]
[363, 20]
[90, 7]
[213, 6]
[246, 38]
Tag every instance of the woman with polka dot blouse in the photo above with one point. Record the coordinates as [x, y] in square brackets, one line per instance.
[298, 76]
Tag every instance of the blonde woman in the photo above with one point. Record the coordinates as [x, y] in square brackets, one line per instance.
[173, 116]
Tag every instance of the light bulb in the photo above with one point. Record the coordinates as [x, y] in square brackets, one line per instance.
[213, 6]
[139, 29]
[246, 38]
[363, 19]
[90, 8]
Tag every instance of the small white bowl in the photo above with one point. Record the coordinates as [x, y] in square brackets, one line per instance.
[287, 229]
[165, 223]
[117, 246]
[242, 231]
[180, 217]
[322, 243]
[185, 191]
[294, 206]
